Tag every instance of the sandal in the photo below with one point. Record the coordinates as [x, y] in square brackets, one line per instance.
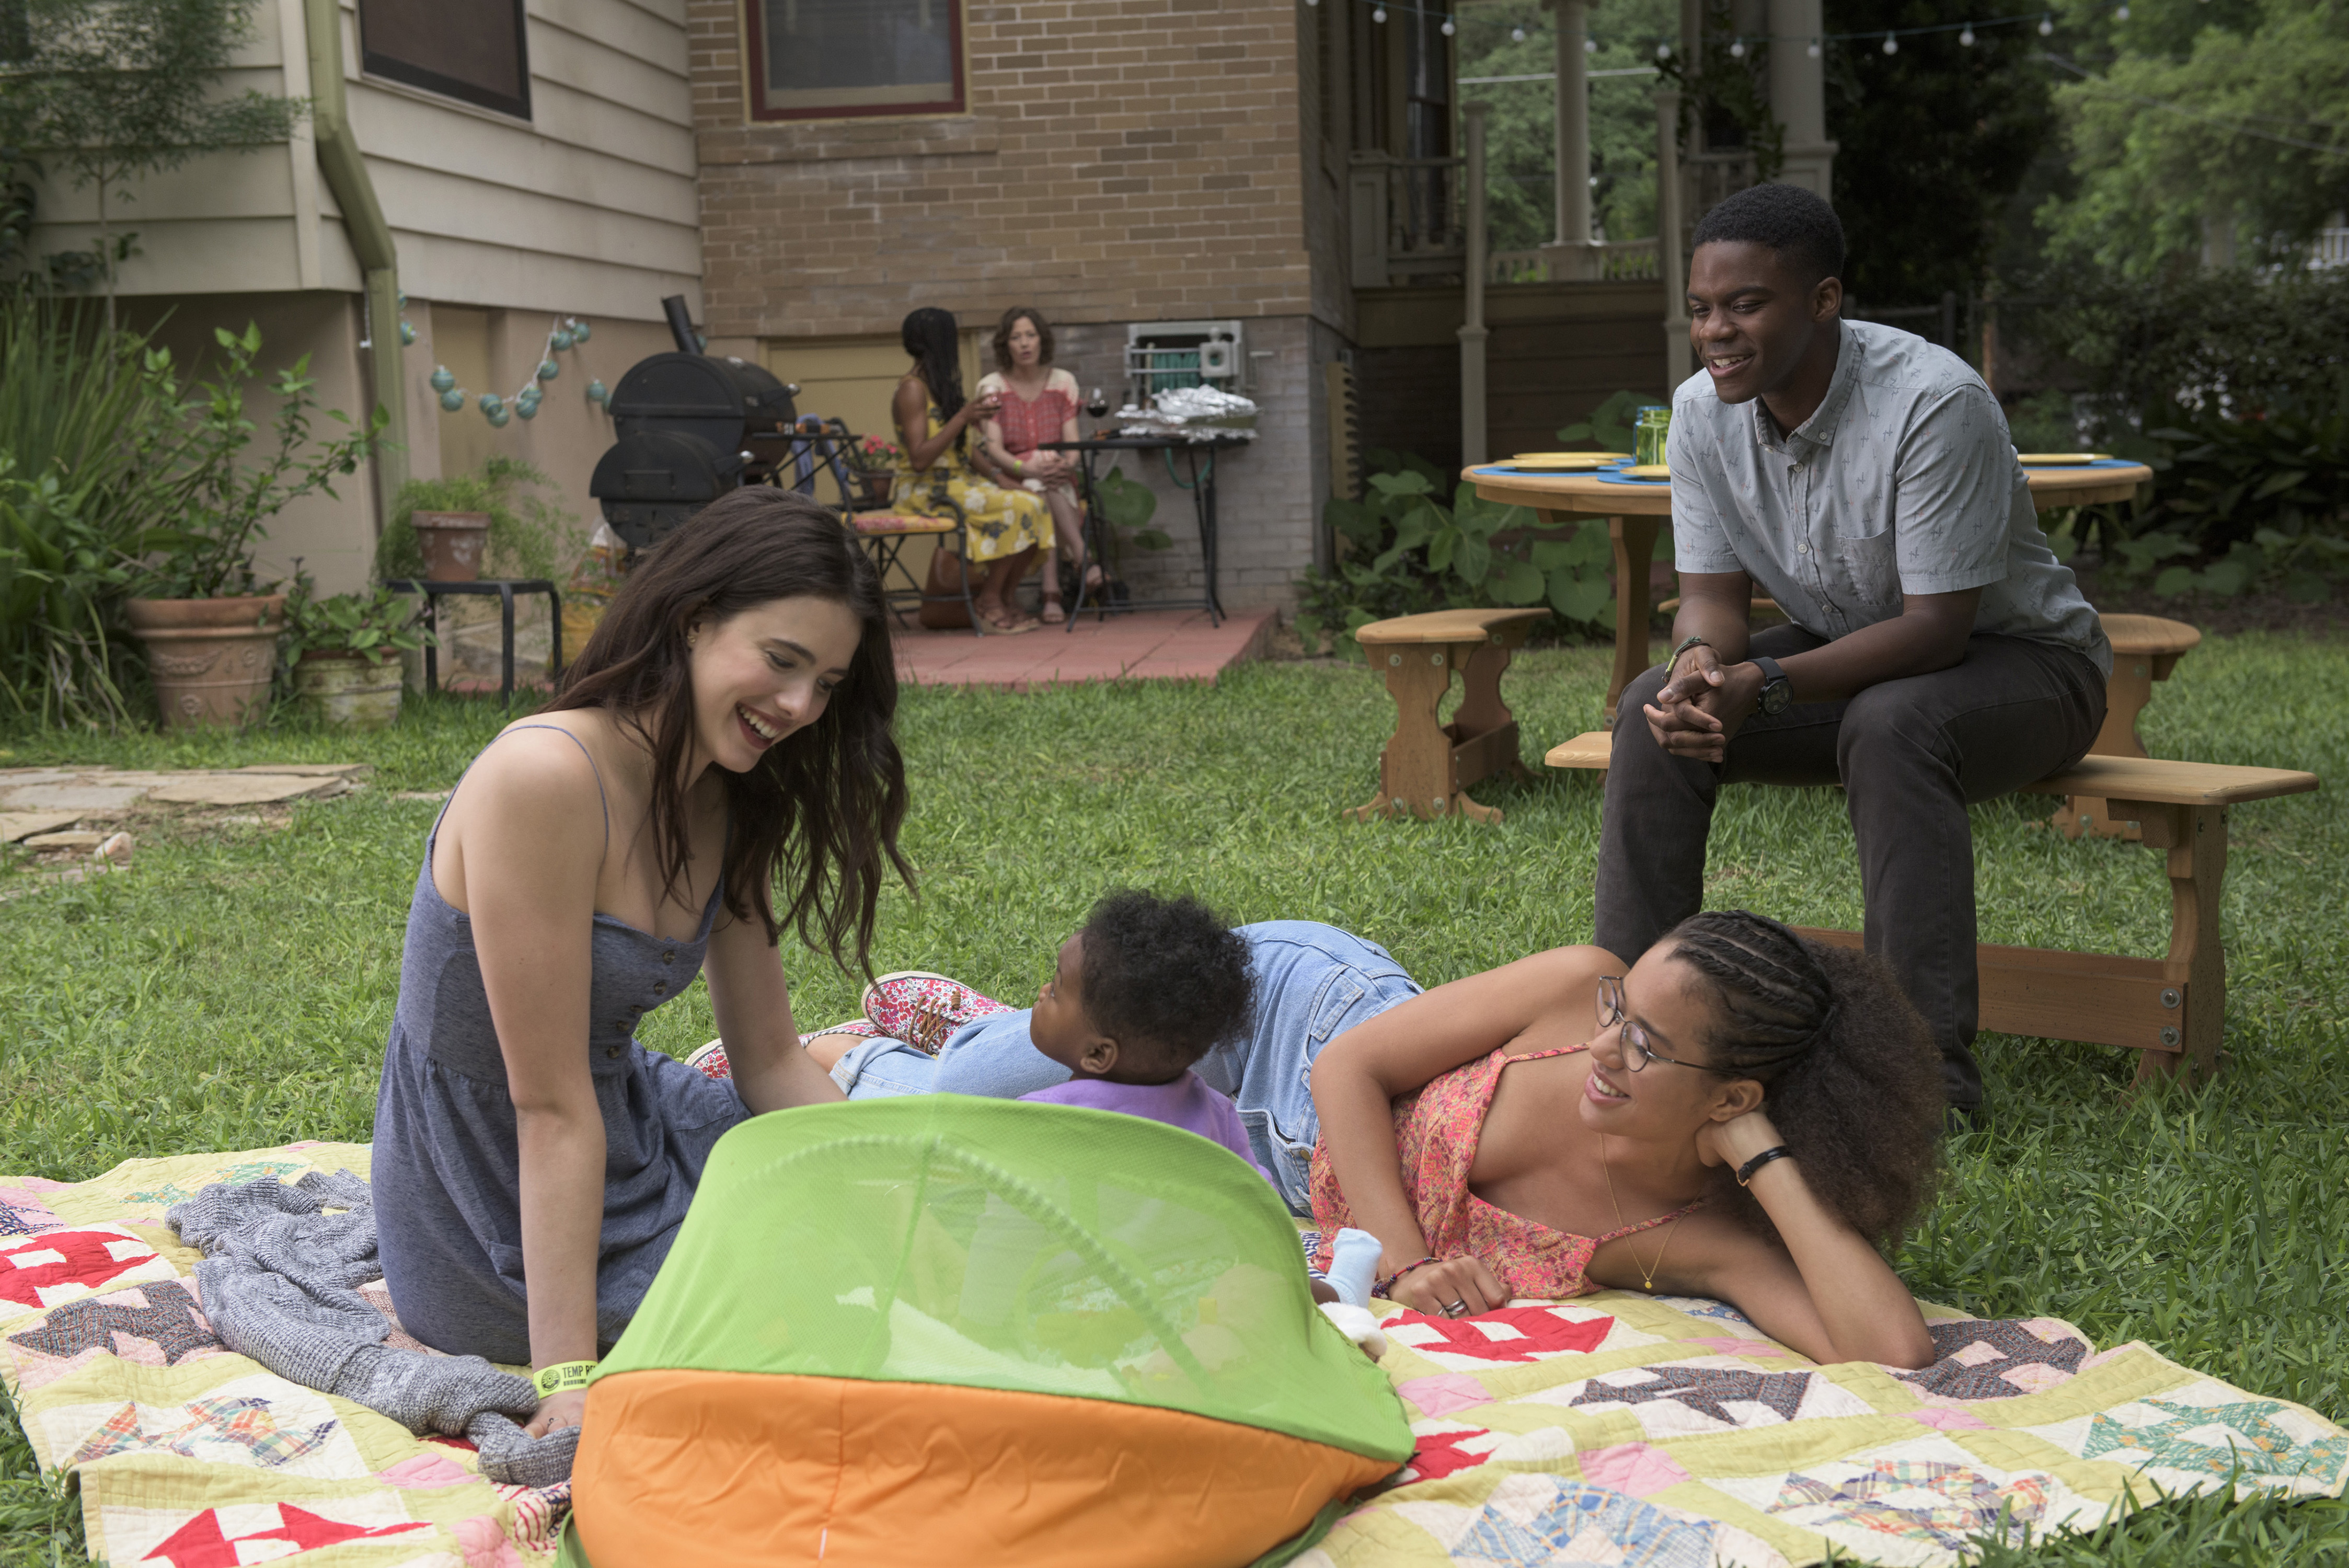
[1010, 626]
[1054, 615]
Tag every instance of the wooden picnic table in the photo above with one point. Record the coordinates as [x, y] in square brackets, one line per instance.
[1635, 513]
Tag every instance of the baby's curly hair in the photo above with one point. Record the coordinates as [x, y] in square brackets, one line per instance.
[1849, 1074]
[1166, 978]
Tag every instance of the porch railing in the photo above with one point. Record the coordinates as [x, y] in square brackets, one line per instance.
[1406, 220]
[1609, 261]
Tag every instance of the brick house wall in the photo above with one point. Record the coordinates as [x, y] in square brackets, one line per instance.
[1124, 162]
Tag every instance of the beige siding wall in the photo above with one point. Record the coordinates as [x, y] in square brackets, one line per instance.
[588, 209]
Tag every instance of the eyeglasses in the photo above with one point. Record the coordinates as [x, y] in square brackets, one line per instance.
[1637, 1050]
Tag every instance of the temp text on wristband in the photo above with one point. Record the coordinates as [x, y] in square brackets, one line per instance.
[563, 1374]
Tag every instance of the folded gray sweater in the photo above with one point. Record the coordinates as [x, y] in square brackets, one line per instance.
[280, 1283]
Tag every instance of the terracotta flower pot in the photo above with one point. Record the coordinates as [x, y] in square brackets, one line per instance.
[877, 486]
[452, 542]
[212, 658]
[348, 690]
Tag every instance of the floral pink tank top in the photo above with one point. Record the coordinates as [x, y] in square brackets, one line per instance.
[1436, 1132]
[1027, 424]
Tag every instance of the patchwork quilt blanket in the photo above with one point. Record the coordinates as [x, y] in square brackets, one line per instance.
[1615, 1428]
[190, 1455]
[1668, 1432]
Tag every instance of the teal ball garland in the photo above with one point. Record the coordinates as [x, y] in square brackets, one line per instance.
[548, 370]
[452, 398]
[597, 392]
[442, 379]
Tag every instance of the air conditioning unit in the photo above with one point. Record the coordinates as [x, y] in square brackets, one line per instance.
[1162, 355]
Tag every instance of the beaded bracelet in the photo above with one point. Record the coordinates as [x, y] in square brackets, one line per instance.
[563, 1374]
[1385, 1289]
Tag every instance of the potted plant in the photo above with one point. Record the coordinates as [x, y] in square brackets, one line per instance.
[447, 530]
[209, 622]
[344, 654]
[875, 463]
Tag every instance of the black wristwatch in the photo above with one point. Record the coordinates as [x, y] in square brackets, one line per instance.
[1778, 691]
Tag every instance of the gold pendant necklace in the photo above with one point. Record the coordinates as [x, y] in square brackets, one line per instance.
[1647, 1274]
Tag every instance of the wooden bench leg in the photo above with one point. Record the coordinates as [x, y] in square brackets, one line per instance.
[2195, 973]
[1484, 723]
[1415, 772]
[2126, 694]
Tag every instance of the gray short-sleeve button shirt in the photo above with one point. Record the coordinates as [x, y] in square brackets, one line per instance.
[1903, 481]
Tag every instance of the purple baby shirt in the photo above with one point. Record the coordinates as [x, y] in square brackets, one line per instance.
[1188, 1102]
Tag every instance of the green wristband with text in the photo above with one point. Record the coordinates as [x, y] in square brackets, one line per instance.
[563, 1374]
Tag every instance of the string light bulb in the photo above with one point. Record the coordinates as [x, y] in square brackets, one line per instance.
[1448, 29]
[1737, 49]
[1814, 51]
[1891, 45]
[2047, 26]
[1966, 38]
[1663, 51]
[1380, 14]
[1589, 46]
[2120, 14]
[1516, 35]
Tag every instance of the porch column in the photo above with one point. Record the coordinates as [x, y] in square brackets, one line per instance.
[1670, 266]
[1799, 96]
[1472, 332]
[1569, 254]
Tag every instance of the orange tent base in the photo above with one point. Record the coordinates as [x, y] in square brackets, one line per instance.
[745, 1468]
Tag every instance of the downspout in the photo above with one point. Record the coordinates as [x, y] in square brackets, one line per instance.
[370, 236]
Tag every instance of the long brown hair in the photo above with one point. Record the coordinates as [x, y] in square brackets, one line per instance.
[821, 809]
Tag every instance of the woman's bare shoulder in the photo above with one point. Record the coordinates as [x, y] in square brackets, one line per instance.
[992, 381]
[1062, 381]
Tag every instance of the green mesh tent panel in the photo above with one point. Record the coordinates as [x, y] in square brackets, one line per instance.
[997, 1244]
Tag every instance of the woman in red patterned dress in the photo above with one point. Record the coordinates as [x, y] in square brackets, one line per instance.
[1038, 404]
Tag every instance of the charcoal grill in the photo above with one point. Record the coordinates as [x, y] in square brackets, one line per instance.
[692, 427]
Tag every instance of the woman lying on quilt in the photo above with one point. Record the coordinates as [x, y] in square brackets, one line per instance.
[1740, 1114]
[1753, 1114]
[726, 731]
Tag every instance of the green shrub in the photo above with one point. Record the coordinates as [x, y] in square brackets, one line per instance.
[2244, 503]
[1403, 551]
[87, 418]
[529, 536]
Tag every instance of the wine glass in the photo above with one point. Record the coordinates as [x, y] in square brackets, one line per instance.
[1097, 403]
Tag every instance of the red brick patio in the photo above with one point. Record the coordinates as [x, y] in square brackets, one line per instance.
[1149, 644]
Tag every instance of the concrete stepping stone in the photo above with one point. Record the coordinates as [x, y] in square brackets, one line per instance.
[16, 825]
[245, 789]
[84, 791]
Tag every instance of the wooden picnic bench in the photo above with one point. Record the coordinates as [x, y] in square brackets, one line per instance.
[2172, 1009]
[1426, 768]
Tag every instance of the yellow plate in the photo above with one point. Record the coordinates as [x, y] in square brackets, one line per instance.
[2060, 460]
[1571, 459]
[1646, 471]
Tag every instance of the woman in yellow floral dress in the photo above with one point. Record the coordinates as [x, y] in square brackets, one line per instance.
[1003, 530]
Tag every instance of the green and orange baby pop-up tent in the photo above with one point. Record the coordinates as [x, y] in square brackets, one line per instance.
[958, 1331]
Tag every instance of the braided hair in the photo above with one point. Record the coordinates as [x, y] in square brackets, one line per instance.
[1849, 1074]
[929, 335]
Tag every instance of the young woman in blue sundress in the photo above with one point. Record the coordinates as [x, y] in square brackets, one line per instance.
[717, 768]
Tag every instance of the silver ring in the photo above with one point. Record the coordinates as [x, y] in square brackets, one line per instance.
[1455, 1309]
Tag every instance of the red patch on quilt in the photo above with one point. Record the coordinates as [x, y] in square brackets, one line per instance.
[1540, 1332]
[199, 1544]
[83, 1259]
[1439, 1454]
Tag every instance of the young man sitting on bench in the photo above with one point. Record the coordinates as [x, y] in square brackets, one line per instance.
[1938, 652]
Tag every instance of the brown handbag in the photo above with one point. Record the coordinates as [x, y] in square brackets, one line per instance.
[943, 609]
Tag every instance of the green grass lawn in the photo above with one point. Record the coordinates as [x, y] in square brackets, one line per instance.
[235, 990]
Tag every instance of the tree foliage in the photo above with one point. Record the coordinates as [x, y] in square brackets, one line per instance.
[1521, 145]
[2218, 124]
[1932, 143]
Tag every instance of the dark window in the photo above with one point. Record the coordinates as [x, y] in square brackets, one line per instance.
[474, 50]
[814, 59]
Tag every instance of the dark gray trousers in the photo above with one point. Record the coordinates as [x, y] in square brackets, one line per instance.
[1909, 754]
